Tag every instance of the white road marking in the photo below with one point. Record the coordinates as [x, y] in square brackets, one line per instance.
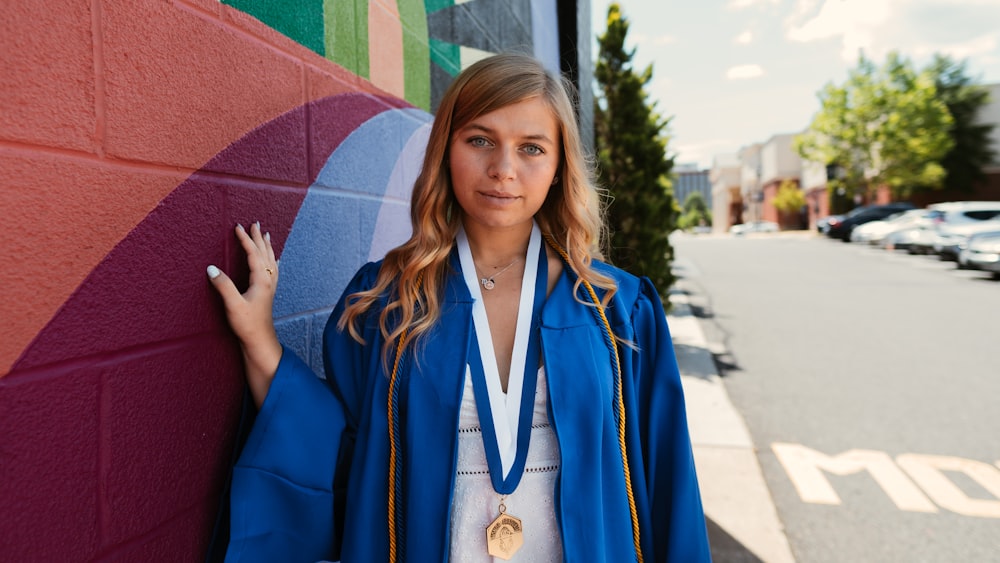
[927, 471]
[927, 478]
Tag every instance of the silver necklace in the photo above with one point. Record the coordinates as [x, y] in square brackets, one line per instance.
[488, 282]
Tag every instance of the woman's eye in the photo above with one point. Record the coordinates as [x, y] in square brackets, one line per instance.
[479, 142]
[533, 150]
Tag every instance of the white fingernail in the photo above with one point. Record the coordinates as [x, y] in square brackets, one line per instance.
[267, 236]
[240, 226]
[258, 226]
[213, 272]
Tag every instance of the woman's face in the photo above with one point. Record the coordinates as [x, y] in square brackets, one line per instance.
[503, 164]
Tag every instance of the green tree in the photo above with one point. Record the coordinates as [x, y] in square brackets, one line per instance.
[971, 150]
[631, 143]
[695, 212]
[884, 126]
[789, 198]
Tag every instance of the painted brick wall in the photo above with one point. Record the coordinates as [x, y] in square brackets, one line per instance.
[133, 136]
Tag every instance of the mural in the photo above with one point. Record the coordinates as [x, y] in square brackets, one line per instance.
[133, 137]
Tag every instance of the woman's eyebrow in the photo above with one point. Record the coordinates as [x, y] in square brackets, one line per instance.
[489, 131]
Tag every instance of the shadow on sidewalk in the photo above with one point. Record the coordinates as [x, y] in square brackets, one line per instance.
[726, 548]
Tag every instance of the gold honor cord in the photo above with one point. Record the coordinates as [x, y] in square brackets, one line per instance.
[392, 449]
[621, 401]
[393, 424]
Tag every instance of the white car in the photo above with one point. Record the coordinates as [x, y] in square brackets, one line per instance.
[754, 227]
[874, 232]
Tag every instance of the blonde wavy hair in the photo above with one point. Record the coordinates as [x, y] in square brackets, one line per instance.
[412, 276]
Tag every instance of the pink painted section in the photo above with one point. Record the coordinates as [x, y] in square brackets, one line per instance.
[385, 47]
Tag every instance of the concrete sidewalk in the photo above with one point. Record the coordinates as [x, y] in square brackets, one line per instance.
[743, 524]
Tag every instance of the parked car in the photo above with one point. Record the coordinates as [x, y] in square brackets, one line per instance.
[874, 232]
[823, 224]
[949, 240]
[754, 227]
[948, 215]
[982, 252]
[841, 229]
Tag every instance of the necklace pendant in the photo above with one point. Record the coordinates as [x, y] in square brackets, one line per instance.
[487, 283]
[504, 536]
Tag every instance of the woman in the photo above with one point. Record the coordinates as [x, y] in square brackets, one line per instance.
[490, 377]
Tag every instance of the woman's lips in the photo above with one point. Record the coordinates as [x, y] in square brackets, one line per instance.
[498, 198]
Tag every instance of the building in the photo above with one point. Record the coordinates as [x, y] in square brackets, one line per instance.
[779, 163]
[750, 187]
[689, 179]
[813, 184]
[727, 202]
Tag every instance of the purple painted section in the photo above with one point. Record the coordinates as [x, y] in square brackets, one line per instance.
[49, 449]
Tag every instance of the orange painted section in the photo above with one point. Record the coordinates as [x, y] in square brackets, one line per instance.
[126, 101]
[48, 81]
[385, 47]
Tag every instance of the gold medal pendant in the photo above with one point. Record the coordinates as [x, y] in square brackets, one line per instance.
[504, 535]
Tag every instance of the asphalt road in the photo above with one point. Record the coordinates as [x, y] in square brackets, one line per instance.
[870, 383]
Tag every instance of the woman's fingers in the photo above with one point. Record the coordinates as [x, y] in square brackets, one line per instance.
[270, 249]
[260, 254]
[225, 286]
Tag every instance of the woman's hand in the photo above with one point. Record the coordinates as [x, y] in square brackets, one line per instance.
[250, 313]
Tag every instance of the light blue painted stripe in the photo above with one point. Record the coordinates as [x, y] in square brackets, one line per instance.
[392, 227]
[336, 228]
[364, 161]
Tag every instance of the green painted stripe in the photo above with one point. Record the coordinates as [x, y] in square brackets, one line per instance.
[432, 6]
[447, 56]
[300, 20]
[416, 53]
[346, 34]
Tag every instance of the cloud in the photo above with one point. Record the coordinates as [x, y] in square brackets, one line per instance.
[740, 4]
[664, 40]
[978, 46]
[742, 72]
[703, 152]
[961, 28]
[855, 22]
[744, 38]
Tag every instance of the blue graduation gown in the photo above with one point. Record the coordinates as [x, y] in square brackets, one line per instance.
[312, 480]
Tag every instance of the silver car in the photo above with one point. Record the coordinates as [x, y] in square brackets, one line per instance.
[948, 215]
[951, 239]
[982, 252]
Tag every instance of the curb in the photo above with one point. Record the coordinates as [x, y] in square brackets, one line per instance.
[742, 520]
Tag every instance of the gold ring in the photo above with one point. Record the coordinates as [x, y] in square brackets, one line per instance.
[269, 271]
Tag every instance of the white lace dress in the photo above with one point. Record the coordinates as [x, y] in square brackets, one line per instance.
[475, 503]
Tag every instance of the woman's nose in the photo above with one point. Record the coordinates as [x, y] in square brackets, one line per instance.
[501, 165]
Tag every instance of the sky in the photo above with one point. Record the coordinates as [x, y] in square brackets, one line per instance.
[730, 73]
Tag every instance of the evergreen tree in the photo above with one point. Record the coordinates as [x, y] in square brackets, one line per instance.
[631, 146]
[971, 151]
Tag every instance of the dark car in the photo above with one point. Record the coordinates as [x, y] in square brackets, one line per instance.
[841, 228]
